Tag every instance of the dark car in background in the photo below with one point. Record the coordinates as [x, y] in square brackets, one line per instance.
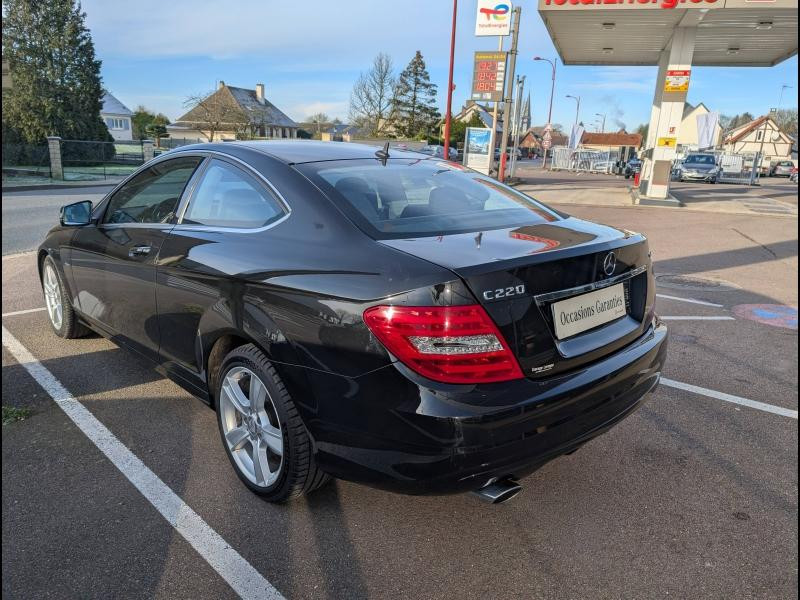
[632, 167]
[438, 151]
[699, 167]
[401, 322]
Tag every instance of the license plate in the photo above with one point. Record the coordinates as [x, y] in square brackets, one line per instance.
[580, 313]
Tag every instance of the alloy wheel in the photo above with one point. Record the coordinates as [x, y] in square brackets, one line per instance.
[250, 426]
[52, 296]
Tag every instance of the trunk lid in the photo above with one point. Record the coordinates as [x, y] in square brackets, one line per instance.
[518, 273]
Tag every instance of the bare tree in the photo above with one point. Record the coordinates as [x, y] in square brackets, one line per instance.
[786, 119]
[214, 112]
[372, 98]
[319, 119]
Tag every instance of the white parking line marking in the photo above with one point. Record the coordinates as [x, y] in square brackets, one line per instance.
[688, 318]
[14, 313]
[770, 408]
[690, 300]
[240, 574]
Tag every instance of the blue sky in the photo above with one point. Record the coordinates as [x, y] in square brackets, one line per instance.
[309, 54]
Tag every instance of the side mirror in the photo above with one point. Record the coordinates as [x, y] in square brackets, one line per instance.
[79, 213]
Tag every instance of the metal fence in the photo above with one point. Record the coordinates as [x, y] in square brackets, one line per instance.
[586, 160]
[168, 143]
[90, 160]
[25, 161]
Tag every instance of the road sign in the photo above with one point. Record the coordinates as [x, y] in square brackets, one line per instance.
[488, 76]
[493, 17]
[547, 136]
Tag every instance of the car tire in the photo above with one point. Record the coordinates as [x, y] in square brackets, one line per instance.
[59, 309]
[277, 440]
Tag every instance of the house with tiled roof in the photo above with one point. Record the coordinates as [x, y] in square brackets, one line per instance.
[234, 112]
[117, 117]
[760, 135]
[621, 140]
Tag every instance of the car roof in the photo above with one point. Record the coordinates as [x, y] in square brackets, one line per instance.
[303, 151]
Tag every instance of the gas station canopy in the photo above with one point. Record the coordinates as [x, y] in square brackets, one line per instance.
[624, 32]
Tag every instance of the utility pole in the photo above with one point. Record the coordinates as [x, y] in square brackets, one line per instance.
[603, 126]
[517, 123]
[493, 137]
[549, 125]
[577, 108]
[450, 84]
[509, 94]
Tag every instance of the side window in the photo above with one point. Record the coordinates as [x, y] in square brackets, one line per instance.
[153, 195]
[229, 197]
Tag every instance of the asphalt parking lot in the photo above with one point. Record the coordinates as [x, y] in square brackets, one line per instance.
[694, 495]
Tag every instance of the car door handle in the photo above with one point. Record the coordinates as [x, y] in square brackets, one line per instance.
[139, 251]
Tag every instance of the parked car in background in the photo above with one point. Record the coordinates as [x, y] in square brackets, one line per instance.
[331, 303]
[782, 169]
[699, 167]
[509, 152]
[633, 166]
[438, 151]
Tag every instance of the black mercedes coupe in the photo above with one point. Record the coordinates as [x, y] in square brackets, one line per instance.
[365, 313]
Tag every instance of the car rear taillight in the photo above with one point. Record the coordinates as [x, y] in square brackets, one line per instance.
[451, 344]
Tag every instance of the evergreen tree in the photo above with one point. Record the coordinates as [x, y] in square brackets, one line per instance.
[415, 109]
[56, 87]
[143, 119]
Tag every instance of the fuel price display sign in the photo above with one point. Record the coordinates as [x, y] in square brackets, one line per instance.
[489, 76]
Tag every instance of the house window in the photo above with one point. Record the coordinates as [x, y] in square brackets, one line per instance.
[759, 135]
[114, 123]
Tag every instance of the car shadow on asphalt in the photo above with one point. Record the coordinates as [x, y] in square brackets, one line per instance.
[727, 259]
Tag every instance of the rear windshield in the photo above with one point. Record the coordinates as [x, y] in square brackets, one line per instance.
[418, 198]
[700, 159]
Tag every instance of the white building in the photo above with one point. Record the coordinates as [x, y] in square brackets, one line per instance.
[117, 118]
[760, 135]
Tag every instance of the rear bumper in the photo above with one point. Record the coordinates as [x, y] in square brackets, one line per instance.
[393, 433]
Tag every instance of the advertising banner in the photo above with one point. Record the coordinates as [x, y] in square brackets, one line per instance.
[706, 128]
[493, 17]
[477, 145]
[575, 136]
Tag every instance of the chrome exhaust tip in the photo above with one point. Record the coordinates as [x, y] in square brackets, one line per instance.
[498, 491]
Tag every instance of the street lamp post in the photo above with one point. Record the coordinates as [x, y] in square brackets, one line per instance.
[450, 84]
[552, 89]
[603, 126]
[784, 87]
[577, 108]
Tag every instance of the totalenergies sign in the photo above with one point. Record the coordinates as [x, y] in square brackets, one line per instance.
[589, 4]
[493, 17]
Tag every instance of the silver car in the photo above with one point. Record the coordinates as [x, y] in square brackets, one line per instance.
[699, 167]
[782, 169]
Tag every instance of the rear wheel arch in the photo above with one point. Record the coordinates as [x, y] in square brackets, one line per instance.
[224, 342]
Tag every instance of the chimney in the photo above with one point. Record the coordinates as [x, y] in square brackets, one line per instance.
[260, 92]
[221, 84]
